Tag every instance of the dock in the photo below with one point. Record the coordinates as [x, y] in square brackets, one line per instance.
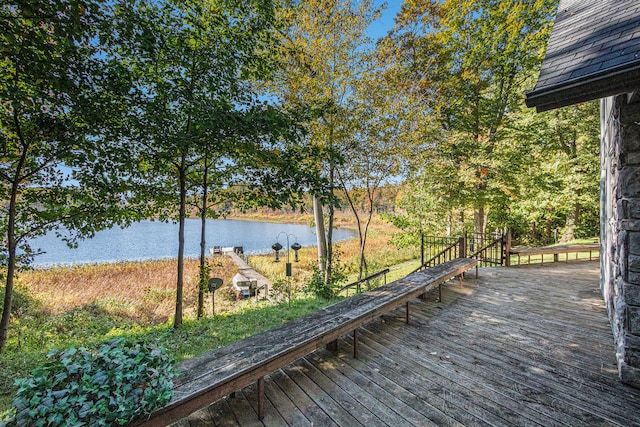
[245, 269]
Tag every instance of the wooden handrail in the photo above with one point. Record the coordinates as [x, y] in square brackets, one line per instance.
[555, 249]
[217, 373]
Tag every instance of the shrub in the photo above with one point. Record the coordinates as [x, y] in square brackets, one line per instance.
[316, 285]
[117, 383]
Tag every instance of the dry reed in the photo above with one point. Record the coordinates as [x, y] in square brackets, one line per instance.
[143, 291]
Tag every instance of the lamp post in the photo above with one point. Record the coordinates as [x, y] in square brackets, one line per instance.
[296, 247]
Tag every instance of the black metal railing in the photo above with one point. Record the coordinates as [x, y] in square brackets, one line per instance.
[434, 246]
[453, 251]
[488, 249]
[358, 284]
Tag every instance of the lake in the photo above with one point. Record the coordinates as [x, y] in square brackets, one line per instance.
[157, 240]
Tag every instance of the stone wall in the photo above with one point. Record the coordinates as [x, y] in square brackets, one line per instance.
[620, 229]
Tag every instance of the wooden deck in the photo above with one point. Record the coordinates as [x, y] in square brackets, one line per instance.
[519, 346]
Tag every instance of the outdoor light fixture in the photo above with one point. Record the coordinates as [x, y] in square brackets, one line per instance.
[296, 247]
[277, 247]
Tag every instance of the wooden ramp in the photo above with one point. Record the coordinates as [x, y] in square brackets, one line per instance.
[526, 346]
[248, 272]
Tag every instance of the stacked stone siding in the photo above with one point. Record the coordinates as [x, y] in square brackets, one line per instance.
[620, 229]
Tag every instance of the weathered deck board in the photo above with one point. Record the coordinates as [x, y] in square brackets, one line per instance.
[217, 373]
[523, 346]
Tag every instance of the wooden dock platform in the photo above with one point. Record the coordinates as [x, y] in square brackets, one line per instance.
[245, 269]
[519, 346]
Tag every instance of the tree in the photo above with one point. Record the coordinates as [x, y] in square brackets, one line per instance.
[322, 57]
[556, 174]
[193, 110]
[373, 152]
[53, 124]
[468, 63]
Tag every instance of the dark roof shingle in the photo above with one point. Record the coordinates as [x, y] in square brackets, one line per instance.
[593, 52]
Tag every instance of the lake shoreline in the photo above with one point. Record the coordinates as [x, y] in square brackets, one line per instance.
[154, 240]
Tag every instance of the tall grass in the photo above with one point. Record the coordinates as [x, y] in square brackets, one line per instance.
[380, 254]
[143, 291]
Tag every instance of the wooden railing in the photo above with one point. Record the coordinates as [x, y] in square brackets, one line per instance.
[217, 373]
[538, 254]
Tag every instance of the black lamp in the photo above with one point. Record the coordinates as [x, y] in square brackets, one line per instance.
[296, 247]
[277, 247]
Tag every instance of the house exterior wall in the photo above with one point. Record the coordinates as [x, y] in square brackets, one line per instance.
[620, 229]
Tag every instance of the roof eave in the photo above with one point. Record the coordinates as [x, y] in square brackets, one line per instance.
[610, 82]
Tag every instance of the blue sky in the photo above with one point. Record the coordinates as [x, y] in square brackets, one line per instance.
[381, 26]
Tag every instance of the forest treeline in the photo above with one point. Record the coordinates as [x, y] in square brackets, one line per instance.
[115, 111]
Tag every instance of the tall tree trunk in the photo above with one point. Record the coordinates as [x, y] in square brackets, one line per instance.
[573, 218]
[203, 228]
[320, 234]
[363, 260]
[177, 319]
[11, 267]
[361, 233]
[12, 243]
[479, 220]
[329, 262]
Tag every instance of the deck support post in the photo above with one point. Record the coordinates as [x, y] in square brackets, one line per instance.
[332, 346]
[261, 398]
[355, 343]
[407, 320]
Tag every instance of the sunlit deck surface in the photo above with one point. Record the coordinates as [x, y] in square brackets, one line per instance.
[519, 346]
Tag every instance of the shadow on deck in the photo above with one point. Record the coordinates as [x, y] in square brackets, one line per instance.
[519, 346]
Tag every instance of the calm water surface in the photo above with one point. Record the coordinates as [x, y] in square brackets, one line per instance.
[156, 240]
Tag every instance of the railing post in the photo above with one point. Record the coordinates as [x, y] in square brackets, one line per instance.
[507, 250]
[461, 243]
[421, 248]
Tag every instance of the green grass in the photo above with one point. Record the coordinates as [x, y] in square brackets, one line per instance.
[590, 240]
[34, 334]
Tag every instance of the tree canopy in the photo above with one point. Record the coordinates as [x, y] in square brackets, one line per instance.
[116, 111]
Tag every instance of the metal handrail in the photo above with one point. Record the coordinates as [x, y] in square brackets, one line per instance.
[433, 258]
[366, 279]
[484, 249]
[476, 253]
